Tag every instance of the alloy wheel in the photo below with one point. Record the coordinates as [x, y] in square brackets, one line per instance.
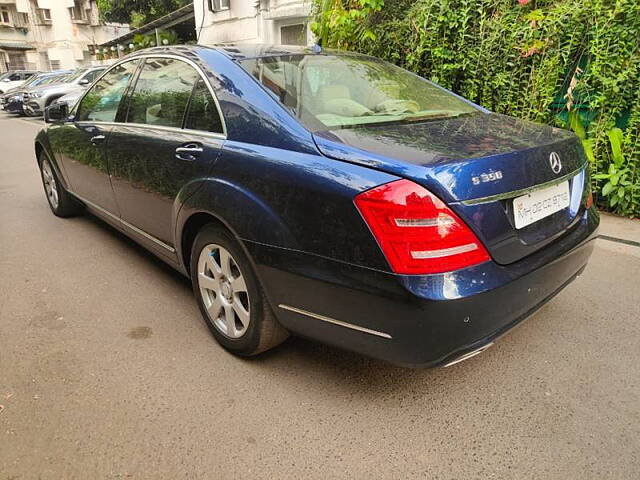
[224, 291]
[50, 185]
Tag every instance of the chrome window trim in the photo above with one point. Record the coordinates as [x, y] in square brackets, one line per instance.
[222, 135]
[217, 136]
[123, 222]
[334, 321]
[523, 191]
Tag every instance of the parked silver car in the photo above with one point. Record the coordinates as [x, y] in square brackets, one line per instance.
[70, 99]
[12, 100]
[36, 100]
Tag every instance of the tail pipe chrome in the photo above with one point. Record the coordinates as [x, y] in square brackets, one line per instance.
[468, 355]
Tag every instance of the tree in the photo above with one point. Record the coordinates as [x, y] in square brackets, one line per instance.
[137, 12]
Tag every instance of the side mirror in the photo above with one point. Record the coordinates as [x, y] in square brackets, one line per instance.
[56, 112]
[83, 82]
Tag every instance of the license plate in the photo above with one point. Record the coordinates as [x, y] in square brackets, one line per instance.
[537, 205]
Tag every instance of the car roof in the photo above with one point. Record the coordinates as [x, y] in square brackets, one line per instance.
[244, 51]
[239, 52]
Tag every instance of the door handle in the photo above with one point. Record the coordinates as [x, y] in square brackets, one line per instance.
[189, 151]
[97, 139]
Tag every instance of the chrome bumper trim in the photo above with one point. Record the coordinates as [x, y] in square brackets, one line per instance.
[334, 321]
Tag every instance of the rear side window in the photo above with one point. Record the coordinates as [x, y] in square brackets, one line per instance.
[101, 102]
[203, 112]
[162, 92]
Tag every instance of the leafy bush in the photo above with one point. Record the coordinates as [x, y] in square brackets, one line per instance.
[535, 59]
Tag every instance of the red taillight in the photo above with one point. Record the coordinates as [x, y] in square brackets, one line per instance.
[416, 231]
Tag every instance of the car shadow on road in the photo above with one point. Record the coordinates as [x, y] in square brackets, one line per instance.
[311, 361]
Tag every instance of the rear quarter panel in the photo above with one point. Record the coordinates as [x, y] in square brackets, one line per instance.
[271, 185]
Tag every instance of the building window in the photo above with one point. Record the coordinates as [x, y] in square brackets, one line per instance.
[44, 16]
[55, 64]
[293, 34]
[77, 13]
[217, 5]
[22, 20]
[5, 16]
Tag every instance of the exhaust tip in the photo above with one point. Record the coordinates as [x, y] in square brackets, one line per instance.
[469, 355]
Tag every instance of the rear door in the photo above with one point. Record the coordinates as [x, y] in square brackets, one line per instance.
[172, 135]
[81, 144]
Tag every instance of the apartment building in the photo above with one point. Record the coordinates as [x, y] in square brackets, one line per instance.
[51, 34]
[283, 22]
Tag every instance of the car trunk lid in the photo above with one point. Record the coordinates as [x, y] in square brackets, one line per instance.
[477, 164]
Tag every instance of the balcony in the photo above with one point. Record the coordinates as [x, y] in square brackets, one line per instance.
[10, 17]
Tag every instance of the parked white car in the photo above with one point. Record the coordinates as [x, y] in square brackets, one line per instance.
[14, 78]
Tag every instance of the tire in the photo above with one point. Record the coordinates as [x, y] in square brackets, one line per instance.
[237, 312]
[61, 202]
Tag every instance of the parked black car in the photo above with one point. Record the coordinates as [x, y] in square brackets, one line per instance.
[327, 194]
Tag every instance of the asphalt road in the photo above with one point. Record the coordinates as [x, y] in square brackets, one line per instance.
[107, 371]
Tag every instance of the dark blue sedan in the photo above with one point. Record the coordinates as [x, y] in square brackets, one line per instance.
[326, 194]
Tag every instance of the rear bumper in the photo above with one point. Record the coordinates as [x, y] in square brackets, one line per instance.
[417, 321]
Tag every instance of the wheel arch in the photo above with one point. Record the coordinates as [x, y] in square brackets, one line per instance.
[233, 207]
[41, 145]
[192, 225]
[52, 99]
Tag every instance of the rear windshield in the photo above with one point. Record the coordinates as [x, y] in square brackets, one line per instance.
[342, 91]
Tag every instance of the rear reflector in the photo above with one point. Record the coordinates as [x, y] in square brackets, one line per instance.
[417, 232]
[589, 201]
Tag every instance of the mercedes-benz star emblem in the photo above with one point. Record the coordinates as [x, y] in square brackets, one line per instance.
[554, 161]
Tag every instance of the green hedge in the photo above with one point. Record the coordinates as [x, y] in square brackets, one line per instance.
[528, 60]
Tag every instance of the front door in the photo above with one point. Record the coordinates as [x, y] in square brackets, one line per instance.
[172, 136]
[81, 145]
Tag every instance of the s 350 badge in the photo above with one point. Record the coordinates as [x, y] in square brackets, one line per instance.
[487, 177]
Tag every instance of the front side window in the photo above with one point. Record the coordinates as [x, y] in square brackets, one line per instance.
[103, 99]
[162, 92]
[92, 75]
[203, 112]
[344, 91]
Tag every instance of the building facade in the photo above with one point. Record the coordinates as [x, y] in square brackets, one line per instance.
[283, 22]
[51, 34]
